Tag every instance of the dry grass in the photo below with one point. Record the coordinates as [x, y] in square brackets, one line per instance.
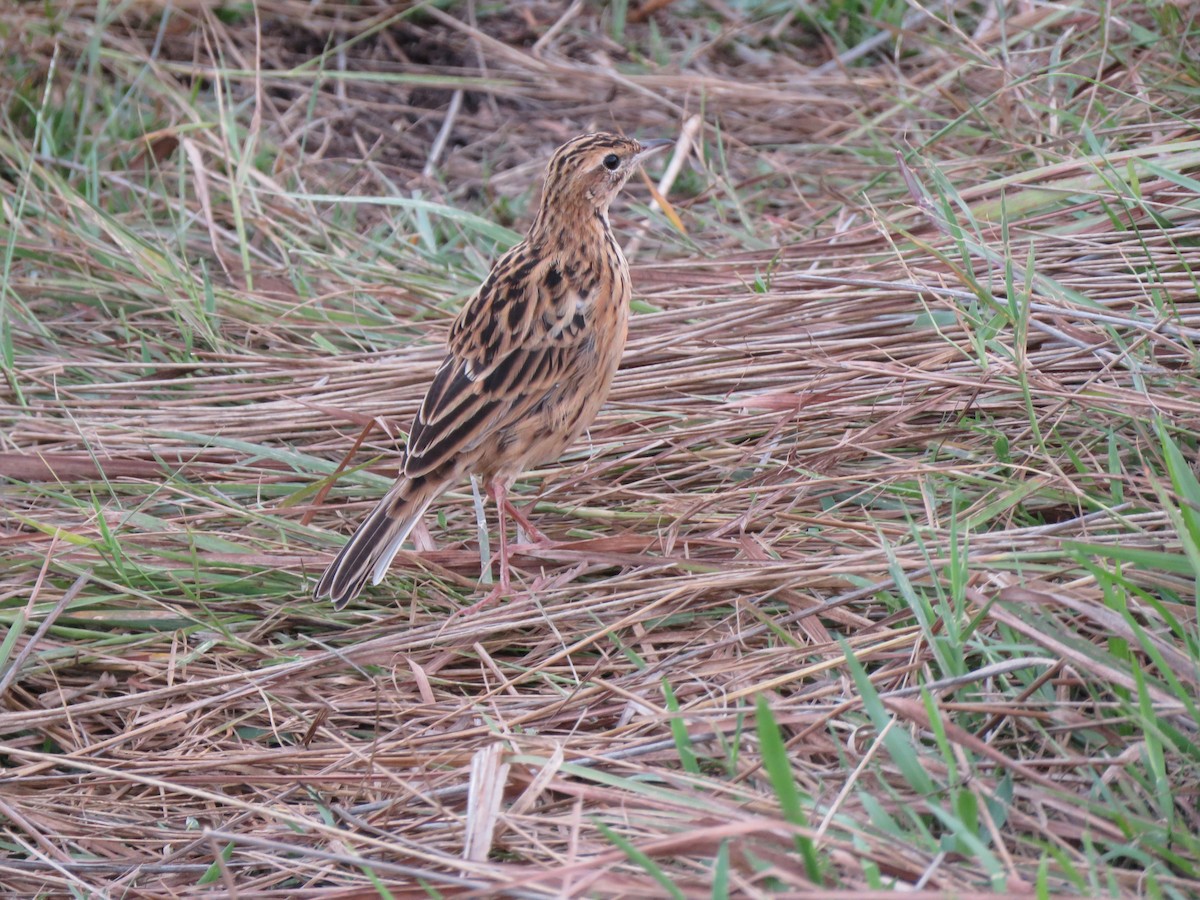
[878, 572]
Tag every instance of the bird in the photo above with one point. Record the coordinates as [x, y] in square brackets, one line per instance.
[529, 362]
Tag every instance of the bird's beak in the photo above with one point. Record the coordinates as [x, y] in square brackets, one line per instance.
[649, 148]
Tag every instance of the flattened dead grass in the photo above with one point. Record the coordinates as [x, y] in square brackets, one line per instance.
[900, 465]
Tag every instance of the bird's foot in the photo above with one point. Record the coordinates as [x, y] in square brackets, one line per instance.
[493, 596]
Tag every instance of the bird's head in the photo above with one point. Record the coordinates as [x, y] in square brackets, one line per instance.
[587, 172]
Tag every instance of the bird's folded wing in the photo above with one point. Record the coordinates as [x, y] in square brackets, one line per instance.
[513, 342]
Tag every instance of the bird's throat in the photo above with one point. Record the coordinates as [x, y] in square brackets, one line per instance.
[574, 228]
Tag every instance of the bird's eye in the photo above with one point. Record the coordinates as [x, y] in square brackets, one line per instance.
[611, 162]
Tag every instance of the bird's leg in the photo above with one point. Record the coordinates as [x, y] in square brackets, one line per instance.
[531, 532]
[499, 492]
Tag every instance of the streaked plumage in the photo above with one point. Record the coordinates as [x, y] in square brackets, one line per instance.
[531, 358]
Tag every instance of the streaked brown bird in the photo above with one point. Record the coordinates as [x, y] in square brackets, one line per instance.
[531, 358]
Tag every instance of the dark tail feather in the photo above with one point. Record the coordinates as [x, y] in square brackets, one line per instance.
[374, 545]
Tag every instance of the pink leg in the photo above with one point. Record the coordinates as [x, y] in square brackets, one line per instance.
[528, 527]
[498, 489]
[499, 492]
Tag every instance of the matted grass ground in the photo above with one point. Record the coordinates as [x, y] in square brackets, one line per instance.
[877, 573]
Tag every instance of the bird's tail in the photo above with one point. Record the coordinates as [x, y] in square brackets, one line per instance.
[374, 545]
